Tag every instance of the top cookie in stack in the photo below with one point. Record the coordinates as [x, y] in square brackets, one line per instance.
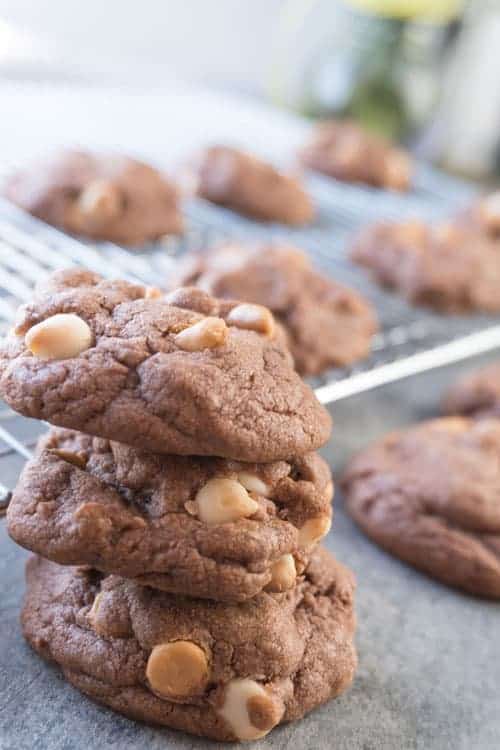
[184, 375]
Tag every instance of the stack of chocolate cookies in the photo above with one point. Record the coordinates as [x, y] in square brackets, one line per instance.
[186, 510]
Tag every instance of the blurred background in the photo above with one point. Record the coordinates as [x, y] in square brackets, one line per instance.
[425, 72]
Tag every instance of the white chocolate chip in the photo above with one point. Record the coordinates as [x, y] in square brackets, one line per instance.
[77, 459]
[237, 709]
[313, 530]
[397, 170]
[208, 333]
[329, 491]
[60, 337]
[252, 318]
[489, 209]
[253, 483]
[92, 615]
[152, 292]
[284, 574]
[222, 500]
[177, 669]
[100, 198]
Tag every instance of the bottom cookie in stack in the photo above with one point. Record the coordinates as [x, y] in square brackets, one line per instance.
[228, 671]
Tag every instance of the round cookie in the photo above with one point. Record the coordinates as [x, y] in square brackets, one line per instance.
[250, 186]
[187, 375]
[304, 302]
[102, 197]
[452, 267]
[477, 393]
[225, 671]
[197, 526]
[430, 495]
[343, 150]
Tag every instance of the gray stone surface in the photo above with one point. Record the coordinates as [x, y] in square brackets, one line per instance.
[429, 674]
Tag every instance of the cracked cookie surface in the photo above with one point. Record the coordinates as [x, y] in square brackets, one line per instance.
[226, 671]
[185, 374]
[345, 151]
[102, 197]
[197, 526]
[430, 495]
[282, 278]
[251, 186]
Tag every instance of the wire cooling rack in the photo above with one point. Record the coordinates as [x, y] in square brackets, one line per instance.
[411, 340]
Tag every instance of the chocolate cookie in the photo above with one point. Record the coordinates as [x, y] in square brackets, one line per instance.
[187, 375]
[347, 152]
[198, 526]
[431, 496]
[226, 671]
[102, 197]
[251, 187]
[477, 393]
[453, 267]
[304, 302]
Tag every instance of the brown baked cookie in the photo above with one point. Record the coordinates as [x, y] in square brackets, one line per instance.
[226, 671]
[102, 197]
[197, 526]
[250, 186]
[477, 393]
[343, 150]
[303, 301]
[452, 267]
[188, 375]
[430, 495]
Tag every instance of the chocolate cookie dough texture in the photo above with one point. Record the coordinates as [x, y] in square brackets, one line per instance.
[452, 266]
[430, 495]
[102, 197]
[184, 467]
[204, 527]
[185, 375]
[250, 186]
[302, 301]
[229, 671]
[343, 150]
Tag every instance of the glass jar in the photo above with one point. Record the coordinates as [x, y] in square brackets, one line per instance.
[380, 63]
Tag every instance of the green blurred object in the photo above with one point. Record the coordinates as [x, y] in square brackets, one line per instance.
[380, 63]
[430, 10]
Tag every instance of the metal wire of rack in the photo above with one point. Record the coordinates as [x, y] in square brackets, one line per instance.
[410, 340]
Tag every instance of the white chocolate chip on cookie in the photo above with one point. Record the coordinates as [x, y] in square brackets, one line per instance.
[284, 574]
[207, 333]
[62, 336]
[221, 500]
[253, 483]
[252, 318]
[397, 170]
[100, 199]
[313, 530]
[152, 292]
[489, 211]
[92, 615]
[177, 669]
[249, 709]
[329, 491]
